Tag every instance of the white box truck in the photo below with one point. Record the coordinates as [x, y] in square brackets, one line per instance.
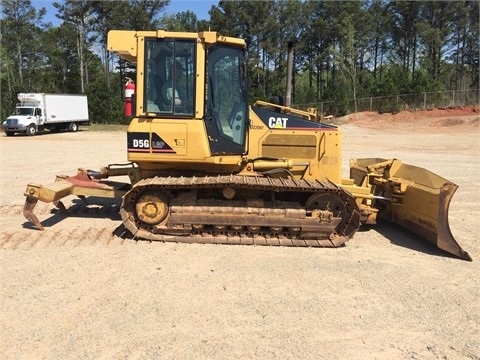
[38, 111]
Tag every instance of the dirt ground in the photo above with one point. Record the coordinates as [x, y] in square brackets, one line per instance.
[80, 290]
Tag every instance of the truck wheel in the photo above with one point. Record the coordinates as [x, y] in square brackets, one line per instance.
[31, 130]
[73, 127]
[9, 133]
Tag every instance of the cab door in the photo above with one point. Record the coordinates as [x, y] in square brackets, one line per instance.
[227, 108]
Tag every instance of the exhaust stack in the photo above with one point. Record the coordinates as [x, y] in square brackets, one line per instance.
[288, 97]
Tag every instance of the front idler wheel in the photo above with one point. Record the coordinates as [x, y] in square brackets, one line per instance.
[331, 203]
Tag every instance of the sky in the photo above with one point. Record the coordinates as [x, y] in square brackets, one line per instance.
[199, 7]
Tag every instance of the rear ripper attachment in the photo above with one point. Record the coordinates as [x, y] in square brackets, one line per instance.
[84, 183]
[412, 197]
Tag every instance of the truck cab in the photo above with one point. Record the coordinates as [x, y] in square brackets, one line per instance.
[27, 115]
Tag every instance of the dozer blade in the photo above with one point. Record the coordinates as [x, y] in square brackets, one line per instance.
[412, 197]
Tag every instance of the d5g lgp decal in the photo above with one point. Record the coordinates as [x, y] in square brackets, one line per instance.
[142, 143]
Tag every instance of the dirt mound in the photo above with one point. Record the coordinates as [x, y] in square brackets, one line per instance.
[459, 118]
[457, 122]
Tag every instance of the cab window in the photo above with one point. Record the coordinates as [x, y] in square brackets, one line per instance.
[169, 80]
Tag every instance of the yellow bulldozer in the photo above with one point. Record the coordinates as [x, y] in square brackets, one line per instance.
[207, 167]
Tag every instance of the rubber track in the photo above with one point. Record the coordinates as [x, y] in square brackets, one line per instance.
[245, 182]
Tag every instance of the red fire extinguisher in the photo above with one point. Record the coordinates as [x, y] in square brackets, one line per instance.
[129, 92]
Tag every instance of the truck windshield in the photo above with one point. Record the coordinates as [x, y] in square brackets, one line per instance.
[26, 111]
[169, 80]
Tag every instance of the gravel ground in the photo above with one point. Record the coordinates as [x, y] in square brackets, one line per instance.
[80, 290]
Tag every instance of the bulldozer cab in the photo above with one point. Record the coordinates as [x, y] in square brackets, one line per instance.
[185, 78]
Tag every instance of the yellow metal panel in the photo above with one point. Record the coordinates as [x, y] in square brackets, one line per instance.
[174, 133]
[324, 163]
[123, 43]
[291, 146]
[51, 192]
[140, 81]
[212, 37]
[162, 34]
[200, 81]
[187, 138]
[330, 155]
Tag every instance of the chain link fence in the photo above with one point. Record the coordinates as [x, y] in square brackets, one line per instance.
[396, 103]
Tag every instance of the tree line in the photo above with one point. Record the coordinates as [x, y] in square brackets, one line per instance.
[344, 50]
